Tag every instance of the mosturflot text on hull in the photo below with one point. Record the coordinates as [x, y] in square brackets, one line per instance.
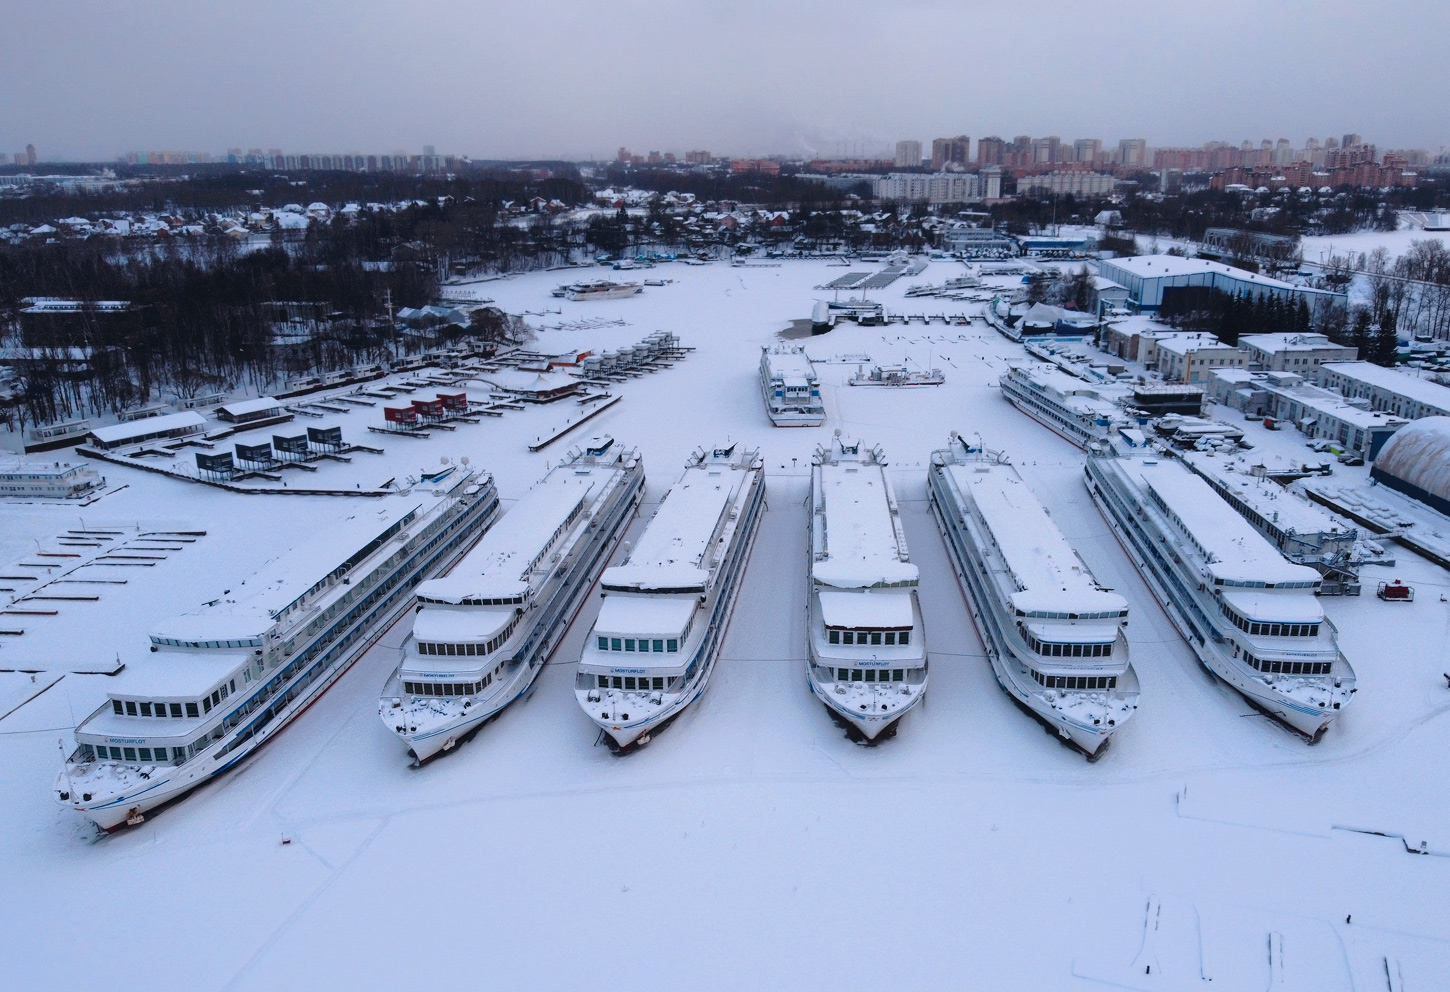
[1054, 636]
[667, 606]
[223, 680]
[1249, 614]
[485, 629]
[867, 660]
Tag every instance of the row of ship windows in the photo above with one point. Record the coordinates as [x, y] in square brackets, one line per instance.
[1252, 584]
[181, 754]
[447, 688]
[1048, 650]
[1075, 681]
[452, 688]
[467, 650]
[176, 642]
[868, 636]
[496, 601]
[870, 675]
[645, 644]
[1270, 629]
[1049, 615]
[132, 708]
[133, 753]
[629, 682]
[1288, 667]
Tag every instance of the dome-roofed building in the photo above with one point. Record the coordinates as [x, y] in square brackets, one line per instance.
[1416, 461]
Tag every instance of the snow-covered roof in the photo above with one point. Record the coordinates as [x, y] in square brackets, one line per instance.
[498, 565]
[785, 361]
[1410, 386]
[863, 544]
[1288, 510]
[251, 606]
[1236, 552]
[241, 408]
[1420, 455]
[1274, 609]
[1050, 575]
[1275, 343]
[874, 609]
[672, 551]
[460, 626]
[149, 427]
[644, 616]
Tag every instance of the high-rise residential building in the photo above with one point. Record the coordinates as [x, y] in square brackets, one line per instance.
[947, 151]
[1086, 149]
[29, 154]
[990, 151]
[1133, 152]
[697, 158]
[623, 156]
[1045, 150]
[991, 181]
[908, 154]
[1350, 140]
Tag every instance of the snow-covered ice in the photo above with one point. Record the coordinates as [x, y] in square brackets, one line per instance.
[752, 845]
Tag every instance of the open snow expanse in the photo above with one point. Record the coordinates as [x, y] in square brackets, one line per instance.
[750, 844]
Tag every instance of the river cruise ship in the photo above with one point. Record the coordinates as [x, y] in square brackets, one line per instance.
[1054, 636]
[224, 679]
[789, 385]
[1082, 412]
[867, 650]
[666, 608]
[485, 629]
[1250, 615]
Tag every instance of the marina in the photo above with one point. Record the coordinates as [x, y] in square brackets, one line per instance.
[868, 661]
[485, 628]
[1250, 615]
[1054, 636]
[667, 606]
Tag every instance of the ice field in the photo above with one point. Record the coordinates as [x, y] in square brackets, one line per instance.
[749, 845]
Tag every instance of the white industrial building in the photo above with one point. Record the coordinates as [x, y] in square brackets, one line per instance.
[1147, 277]
[1190, 356]
[1301, 353]
[1389, 390]
[1314, 411]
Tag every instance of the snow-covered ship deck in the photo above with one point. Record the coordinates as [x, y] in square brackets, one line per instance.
[867, 660]
[1274, 645]
[1054, 636]
[659, 629]
[487, 626]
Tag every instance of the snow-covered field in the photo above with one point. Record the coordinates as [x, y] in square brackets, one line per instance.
[749, 845]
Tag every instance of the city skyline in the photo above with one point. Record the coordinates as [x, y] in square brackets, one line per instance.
[738, 78]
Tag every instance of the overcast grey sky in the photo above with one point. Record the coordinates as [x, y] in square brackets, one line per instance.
[551, 78]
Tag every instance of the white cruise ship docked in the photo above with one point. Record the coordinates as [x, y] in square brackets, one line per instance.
[1077, 410]
[230, 675]
[485, 629]
[863, 623]
[666, 607]
[789, 385]
[1249, 614]
[1054, 636]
